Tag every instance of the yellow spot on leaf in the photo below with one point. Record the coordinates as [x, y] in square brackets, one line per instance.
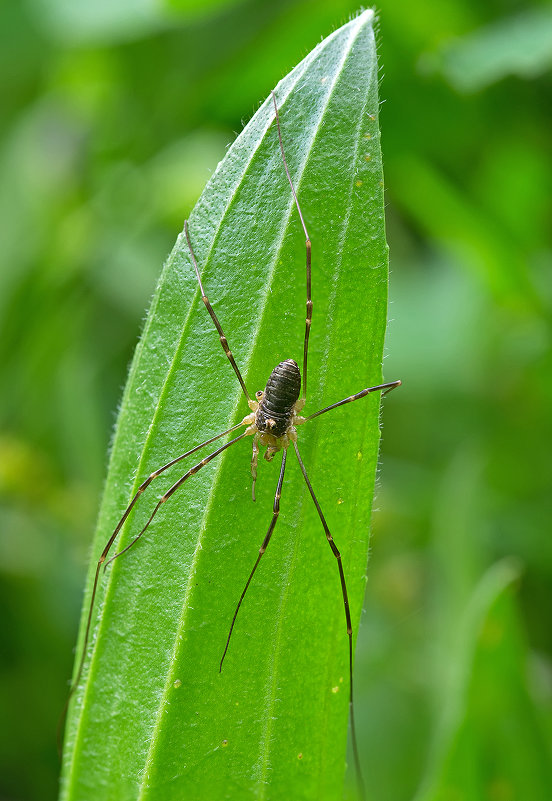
[177, 684]
[501, 789]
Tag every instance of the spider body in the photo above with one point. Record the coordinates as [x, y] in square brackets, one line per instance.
[275, 413]
[278, 402]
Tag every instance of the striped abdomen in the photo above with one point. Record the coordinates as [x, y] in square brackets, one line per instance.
[281, 393]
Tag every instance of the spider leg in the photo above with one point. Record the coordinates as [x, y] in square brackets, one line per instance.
[172, 490]
[308, 320]
[145, 484]
[337, 555]
[262, 549]
[111, 540]
[223, 340]
[254, 460]
[384, 387]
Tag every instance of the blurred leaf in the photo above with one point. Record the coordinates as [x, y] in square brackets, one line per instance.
[520, 45]
[449, 216]
[179, 172]
[491, 744]
[79, 21]
[199, 6]
[154, 719]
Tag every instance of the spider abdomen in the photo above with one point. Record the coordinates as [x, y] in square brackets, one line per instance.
[276, 407]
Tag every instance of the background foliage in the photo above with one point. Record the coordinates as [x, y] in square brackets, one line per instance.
[113, 117]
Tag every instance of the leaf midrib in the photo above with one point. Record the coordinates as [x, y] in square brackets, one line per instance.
[284, 597]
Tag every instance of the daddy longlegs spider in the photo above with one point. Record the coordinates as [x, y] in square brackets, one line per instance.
[274, 416]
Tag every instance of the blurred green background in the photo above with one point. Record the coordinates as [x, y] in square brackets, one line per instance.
[113, 116]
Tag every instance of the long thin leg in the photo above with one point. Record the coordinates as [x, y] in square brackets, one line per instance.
[111, 540]
[385, 387]
[158, 472]
[337, 555]
[223, 340]
[254, 460]
[308, 249]
[196, 468]
[262, 549]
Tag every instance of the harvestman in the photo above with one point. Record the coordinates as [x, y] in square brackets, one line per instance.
[272, 422]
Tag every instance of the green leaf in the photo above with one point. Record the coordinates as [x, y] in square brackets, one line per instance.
[519, 45]
[491, 743]
[78, 22]
[153, 718]
[454, 221]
